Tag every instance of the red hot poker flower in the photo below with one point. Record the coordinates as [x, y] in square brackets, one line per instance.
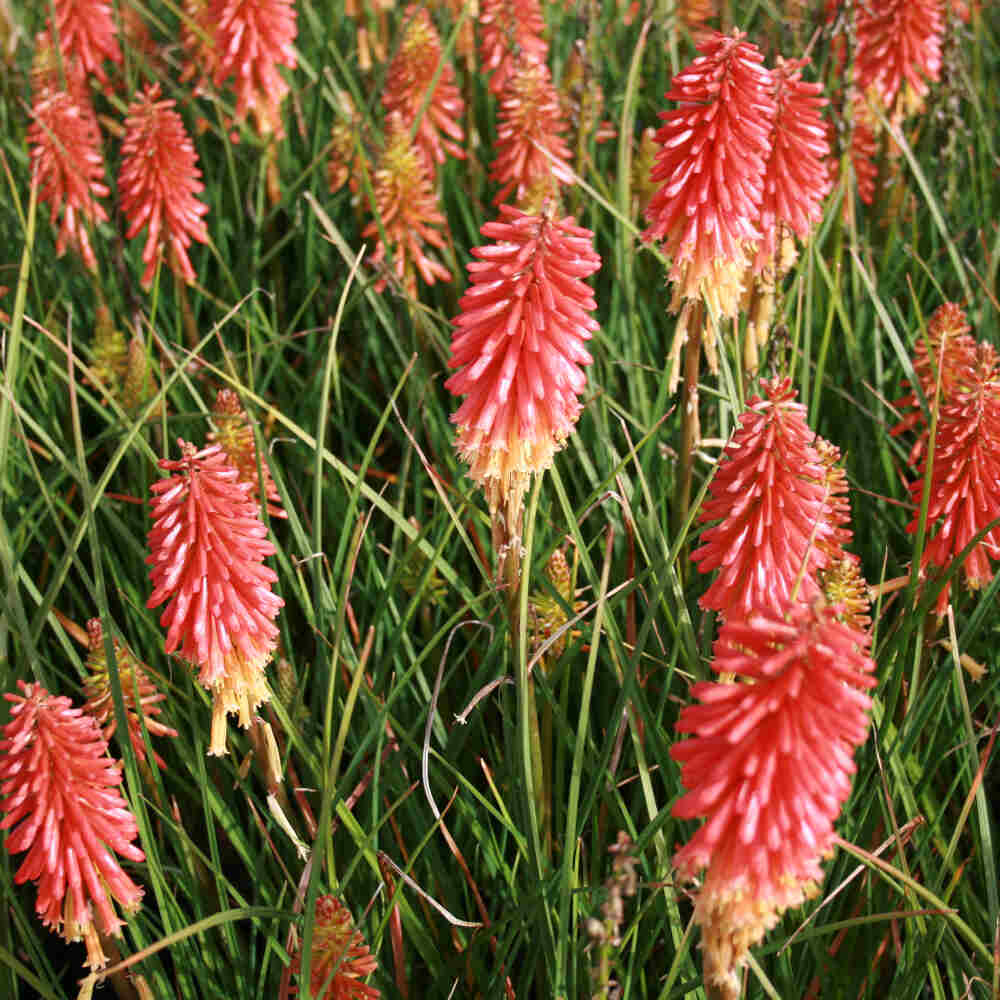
[236, 437]
[87, 32]
[965, 479]
[158, 182]
[62, 804]
[135, 683]
[252, 39]
[502, 22]
[207, 550]
[410, 76]
[519, 344]
[898, 41]
[66, 161]
[711, 164]
[796, 179]
[408, 209]
[769, 765]
[530, 144]
[340, 957]
[770, 496]
[948, 350]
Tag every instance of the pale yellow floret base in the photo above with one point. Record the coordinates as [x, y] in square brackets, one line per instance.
[732, 922]
[240, 691]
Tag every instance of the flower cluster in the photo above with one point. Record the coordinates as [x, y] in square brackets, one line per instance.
[411, 74]
[406, 211]
[769, 765]
[961, 378]
[340, 959]
[140, 695]
[207, 550]
[532, 157]
[60, 795]
[742, 166]
[510, 29]
[519, 347]
[235, 435]
[251, 39]
[158, 184]
[87, 34]
[774, 505]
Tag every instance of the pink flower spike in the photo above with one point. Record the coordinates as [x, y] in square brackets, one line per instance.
[66, 161]
[771, 499]
[714, 148]
[898, 42]
[158, 182]
[408, 79]
[502, 22]
[519, 345]
[87, 32]
[769, 765]
[207, 550]
[60, 794]
[797, 176]
[252, 39]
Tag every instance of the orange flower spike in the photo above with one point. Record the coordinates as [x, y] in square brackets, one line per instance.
[519, 345]
[711, 163]
[510, 29]
[66, 161]
[134, 680]
[408, 209]
[158, 182]
[340, 957]
[530, 144]
[252, 39]
[87, 32]
[898, 41]
[60, 794]
[198, 42]
[207, 550]
[796, 178]
[965, 480]
[948, 349]
[769, 765]
[770, 499]
[236, 437]
[408, 79]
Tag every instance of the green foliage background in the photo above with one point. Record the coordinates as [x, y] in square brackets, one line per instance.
[346, 385]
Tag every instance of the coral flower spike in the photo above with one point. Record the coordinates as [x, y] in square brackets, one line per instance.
[503, 22]
[207, 550]
[519, 344]
[66, 162]
[769, 765]
[340, 957]
[411, 74]
[158, 182]
[252, 39]
[87, 32]
[797, 176]
[711, 164]
[777, 524]
[60, 794]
